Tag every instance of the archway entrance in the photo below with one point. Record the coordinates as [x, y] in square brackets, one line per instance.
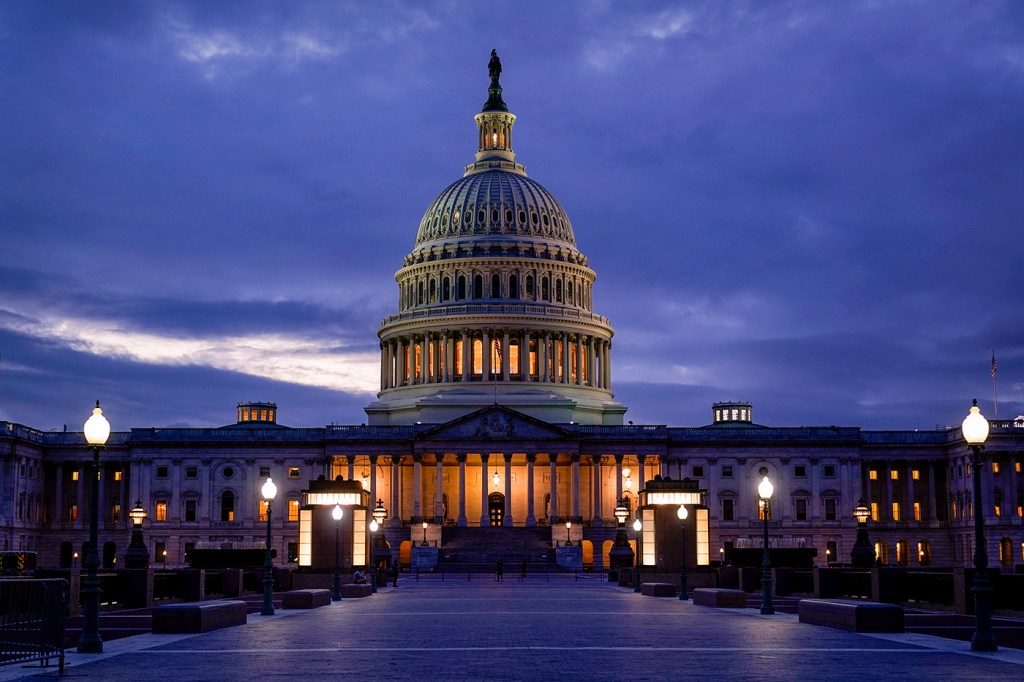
[496, 508]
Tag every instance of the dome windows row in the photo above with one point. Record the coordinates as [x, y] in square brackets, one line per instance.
[446, 222]
[545, 288]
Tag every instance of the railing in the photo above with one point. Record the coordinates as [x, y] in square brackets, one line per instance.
[32, 621]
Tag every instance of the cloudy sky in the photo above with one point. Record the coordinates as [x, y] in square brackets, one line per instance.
[816, 207]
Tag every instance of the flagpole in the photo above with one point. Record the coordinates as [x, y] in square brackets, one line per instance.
[995, 391]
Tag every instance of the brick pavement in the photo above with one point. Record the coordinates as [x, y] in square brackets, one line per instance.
[515, 630]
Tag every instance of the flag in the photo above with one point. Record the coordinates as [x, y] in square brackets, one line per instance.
[993, 363]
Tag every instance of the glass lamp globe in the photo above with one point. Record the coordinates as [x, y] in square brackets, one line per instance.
[97, 428]
[765, 489]
[682, 513]
[975, 427]
[269, 490]
[337, 512]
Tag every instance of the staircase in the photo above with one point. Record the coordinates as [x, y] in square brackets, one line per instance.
[490, 545]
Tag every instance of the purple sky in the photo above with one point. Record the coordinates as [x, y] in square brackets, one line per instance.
[812, 206]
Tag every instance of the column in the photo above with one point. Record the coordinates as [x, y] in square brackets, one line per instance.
[618, 479]
[553, 466]
[579, 360]
[486, 350]
[592, 362]
[438, 489]
[507, 518]
[575, 490]
[608, 365]
[446, 345]
[886, 471]
[467, 349]
[351, 467]
[383, 366]
[424, 358]
[505, 360]
[598, 489]
[1011, 471]
[396, 511]
[58, 512]
[524, 360]
[910, 495]
[531, 520]
[373, 480]
[542, 356]
[485, 520]
[463, 521]
[566, 377]
[80, 500]
[933, 502]
[417, 473]
[400, 363]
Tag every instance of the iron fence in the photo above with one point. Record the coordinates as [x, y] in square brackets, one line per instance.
[32, 621]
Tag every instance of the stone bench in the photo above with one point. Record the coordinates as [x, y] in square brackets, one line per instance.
[355, 591]
[305, 599]
[719, 598]
[658, 590]
[200, 616]
[852, 615]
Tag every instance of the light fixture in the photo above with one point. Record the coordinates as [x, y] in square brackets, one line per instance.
[975, 431]
[97, 430]
[626, 473]
[269, 492]
[621, 512]
[765, 490]
[682, 513]
[494, 478]
[336, 514]
[137, 514]
[424, 544]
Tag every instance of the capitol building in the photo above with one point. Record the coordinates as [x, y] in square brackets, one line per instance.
[497, 410]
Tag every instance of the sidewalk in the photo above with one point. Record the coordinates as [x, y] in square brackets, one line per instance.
[530, 631]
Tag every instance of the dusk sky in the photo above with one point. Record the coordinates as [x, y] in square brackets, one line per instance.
[813, 206]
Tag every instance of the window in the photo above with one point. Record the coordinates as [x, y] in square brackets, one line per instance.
[800, 471]
[915, 474]
[161, 472]
[801, 509]
[160, 552]
[191, 509]
[831, 551]
[264, 473]
[118, 475]
[968, 469]
[293, 510]
[894, 475]
[917, 510]
[74, 475]
[728, 509]
[161, 510]
[698, 471]
[873, 474]
[1016, 467]
[73, 511]
[895, 511]
[293, 472]
[874, 511]
[191, 472]
[726, 471]
[995, 467]
[263, 510]
[227, 506]
[830, 509]
[115, 512]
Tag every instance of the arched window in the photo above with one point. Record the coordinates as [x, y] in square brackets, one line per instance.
[419, 293]
[460, 290]
[446, 288]
[544, 291]
[529, 287]
[495, 286]
[513, 286]
[558, 291]
[478, 286]
[227, 506]
[1005, 552]
[433, 291]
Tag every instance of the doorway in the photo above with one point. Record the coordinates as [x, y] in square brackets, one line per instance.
[496, 509]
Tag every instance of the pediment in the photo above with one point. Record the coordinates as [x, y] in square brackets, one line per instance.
[495, 422]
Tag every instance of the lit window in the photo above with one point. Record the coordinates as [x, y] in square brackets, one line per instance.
[263, 510]
[73, 512]
[115, 512]
[293, 472]
[1016, 467]
[917, 511]
[915, 474]
[968, 469]
[995, 467]
[74, 475]
[263, 415]
[293, 510]
[874, 511]
[895, 511]
[894, 475]
[117, 475]
[161, 510]
[873, 474]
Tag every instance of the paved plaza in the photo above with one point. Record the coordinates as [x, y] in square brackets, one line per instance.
[557, 630]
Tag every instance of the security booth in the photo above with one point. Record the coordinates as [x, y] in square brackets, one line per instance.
[324, 541]
[671, 539]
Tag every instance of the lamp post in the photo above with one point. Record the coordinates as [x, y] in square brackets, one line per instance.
[975, 430]
[269, 491]
[568, 540]
[97, 430]
[620, 555]
[682, 514]
[137, 556]
[637, 527]
[863, 554]
[336, 514]
[380, 513]
[424, 543]
[765, 490]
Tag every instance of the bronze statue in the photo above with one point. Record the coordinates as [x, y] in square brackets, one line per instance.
[494, 66]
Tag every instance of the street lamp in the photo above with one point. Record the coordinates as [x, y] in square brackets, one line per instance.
[764, 491]
[637, 527]
[269, 491]
[137, 556]
[336, 514]
[682, 514]
[863, 554]
[379, 513]
[568, 540]
[97, 430]
[975, 431]
[424, 543]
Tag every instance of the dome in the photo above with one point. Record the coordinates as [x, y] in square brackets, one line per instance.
[495, 203]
